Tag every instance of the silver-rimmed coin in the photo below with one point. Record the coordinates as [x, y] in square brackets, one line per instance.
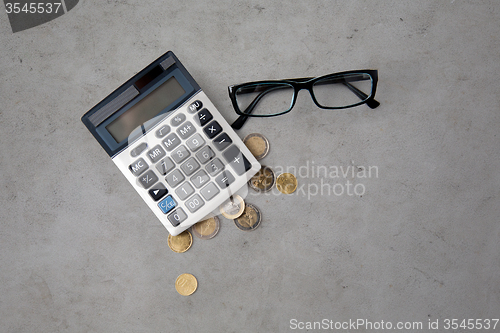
[250, 219]
[233, 207]
[263, 180]
[257, 144]
[206, 229]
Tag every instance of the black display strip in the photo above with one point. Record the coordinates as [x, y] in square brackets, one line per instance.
[148, 77]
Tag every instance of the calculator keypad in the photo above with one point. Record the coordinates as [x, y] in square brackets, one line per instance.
[187, 163]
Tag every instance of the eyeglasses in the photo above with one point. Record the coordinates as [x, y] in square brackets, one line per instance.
[276, 97]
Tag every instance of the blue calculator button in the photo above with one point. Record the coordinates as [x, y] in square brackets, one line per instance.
[167, 204]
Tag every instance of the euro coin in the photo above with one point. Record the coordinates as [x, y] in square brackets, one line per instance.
[180, 243]
[257, 144]
[206, 229]
[250, 219]
[286, 183]
[233, 208]
[263, 180]
[186, 284]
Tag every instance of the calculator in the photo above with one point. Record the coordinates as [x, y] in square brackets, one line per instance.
[172, 144]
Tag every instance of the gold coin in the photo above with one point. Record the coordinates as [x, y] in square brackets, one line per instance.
[257, 144]
[250, 219]
[206, 229]
[180, 243]
[263, 180]
[186, 284]
[286, 183]
[233, 208]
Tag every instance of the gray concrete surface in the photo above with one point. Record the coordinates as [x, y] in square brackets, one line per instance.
[80, 252]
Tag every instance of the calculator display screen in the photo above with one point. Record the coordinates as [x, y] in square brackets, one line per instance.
[145, 109]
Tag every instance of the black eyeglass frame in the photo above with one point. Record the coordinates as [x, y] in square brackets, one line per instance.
[305, 83]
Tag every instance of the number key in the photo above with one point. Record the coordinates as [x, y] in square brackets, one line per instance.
[174, 178]
[180, 154]
[190, 166]
[184, 191]
[195, 143]
[214, 167]
[165, 166]
[177, 217]
[200, 178]
[195, 203]
[205, 154]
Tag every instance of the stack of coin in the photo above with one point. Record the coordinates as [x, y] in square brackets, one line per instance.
[245, 216]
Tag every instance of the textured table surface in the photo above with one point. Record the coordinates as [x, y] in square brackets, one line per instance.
[417, 242]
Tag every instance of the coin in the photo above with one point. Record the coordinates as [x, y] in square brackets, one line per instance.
[257, 144]
[250, 219]
[186, 284]
[286, 183]
[263, 180]
[233, 208]
[180, 243]
[206, 229]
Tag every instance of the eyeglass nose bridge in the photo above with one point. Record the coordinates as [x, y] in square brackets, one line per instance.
[303, 84]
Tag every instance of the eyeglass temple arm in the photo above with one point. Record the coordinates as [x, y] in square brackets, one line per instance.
[372, 103]
[238, 123]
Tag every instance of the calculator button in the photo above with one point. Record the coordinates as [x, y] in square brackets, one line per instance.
[209, 191]
[203, 117]
[148, 179]
[214, 167]
[165, 166]
[167, 204]
[195, 203]
[184, 191]
[237, 160]
[178, 119]
[200, 178]
[177, 216]
[138, 167]
[225, 179]
[212, 129]
[195, 142]
[186, 130]
[180, 154]
[156, 153]
[205, 154]
[158, 191]
[190, 166]
[162, 131]
[195, 106]
[171, 141]
[174, 178]
[222, 141]
[139, 149]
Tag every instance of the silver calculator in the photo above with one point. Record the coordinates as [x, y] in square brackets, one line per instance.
[172, 144]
